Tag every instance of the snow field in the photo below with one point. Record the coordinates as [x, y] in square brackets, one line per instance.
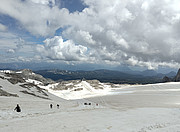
[139, 108]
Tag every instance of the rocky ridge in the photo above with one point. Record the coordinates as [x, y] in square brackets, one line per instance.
[173, 79]
[22, 79]
[21, 76]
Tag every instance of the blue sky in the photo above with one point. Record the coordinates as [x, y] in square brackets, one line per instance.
[143, 34]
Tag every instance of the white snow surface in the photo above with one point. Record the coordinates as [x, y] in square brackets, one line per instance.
[19, 72]
[88, 90]
[34, 81]
[5, 71]
[139, 108]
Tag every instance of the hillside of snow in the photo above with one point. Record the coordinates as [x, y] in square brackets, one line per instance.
[86, 105]
[74, 89]
[79, 89]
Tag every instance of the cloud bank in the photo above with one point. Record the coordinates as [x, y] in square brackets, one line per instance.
[57, 49]
[133, 32]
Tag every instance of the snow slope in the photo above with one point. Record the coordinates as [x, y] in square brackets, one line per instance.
[70, 90]
[86, 90]
[145, 108]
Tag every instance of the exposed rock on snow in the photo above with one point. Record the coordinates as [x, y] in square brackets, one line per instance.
[19, 79]
[33, 94]
[31, 86]
[15, 80]
[66, 85]
[2, 77]
[4, 93]
[26, 75]
[177, 77]
[95, 84]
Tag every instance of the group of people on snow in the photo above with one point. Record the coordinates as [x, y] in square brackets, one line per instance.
[18, 109]
[51, 106]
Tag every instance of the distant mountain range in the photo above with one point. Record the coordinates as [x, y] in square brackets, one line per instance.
[120, 74]
[103, 75]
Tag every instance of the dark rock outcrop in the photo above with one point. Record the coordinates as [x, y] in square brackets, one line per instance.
[28, 74]
[22, 75]
[4, 93]
[167, 79]
[30, 86]
[16, 80]
[33, 94]
[177, 77]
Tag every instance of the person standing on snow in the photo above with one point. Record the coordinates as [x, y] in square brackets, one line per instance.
[58, 106]
[51, 106]
[17, 109]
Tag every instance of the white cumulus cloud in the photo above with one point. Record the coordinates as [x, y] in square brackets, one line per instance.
[58, 49]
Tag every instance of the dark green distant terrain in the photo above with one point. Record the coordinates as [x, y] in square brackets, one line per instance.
[145, 77]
